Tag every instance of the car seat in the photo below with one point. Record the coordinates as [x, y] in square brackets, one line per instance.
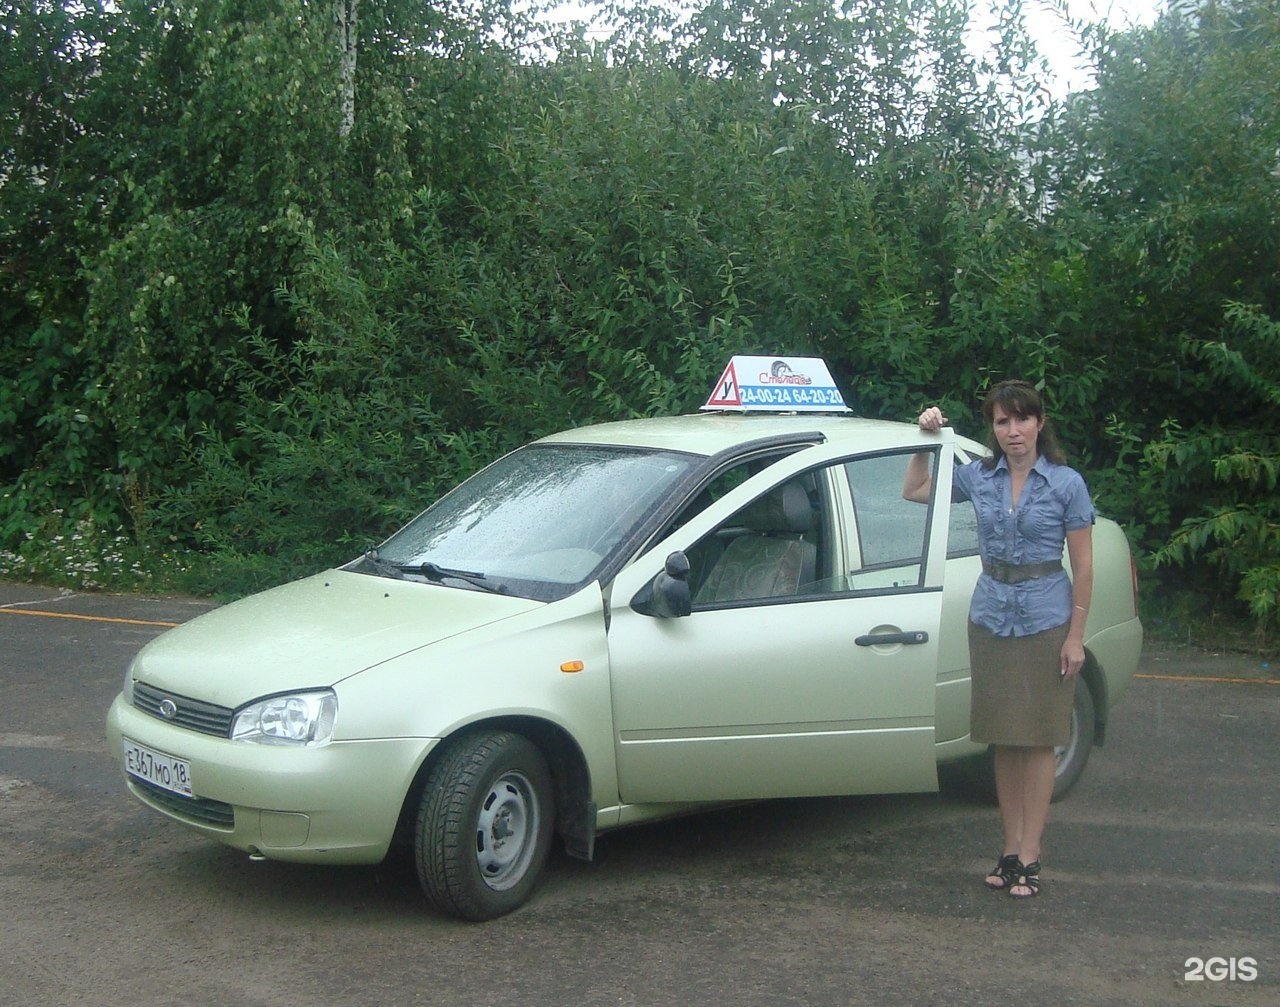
[771, 559]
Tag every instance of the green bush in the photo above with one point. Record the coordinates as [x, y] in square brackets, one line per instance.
[253, 337]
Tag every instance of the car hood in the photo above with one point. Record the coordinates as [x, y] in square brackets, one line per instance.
[312, 633]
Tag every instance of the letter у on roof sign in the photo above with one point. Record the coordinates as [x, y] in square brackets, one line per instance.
[776, 384]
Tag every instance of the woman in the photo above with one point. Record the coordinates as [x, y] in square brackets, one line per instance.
[1027, 618]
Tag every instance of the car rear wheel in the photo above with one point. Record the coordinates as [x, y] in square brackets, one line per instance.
[484, 825]
[976, 775]
[1074, 755]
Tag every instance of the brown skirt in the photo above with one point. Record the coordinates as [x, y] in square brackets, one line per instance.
[1018, 696]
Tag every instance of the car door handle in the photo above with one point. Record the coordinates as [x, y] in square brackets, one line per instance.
[912, 638]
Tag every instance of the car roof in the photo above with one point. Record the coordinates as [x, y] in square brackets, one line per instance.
[711, 433]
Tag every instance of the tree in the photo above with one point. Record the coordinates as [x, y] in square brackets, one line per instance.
[48, 67]
[1166, 186]
[275, 271]
[346, 21]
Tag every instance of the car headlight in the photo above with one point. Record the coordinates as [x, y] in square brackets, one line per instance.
[302, 718]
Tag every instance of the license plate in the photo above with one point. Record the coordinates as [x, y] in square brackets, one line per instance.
[164, 771]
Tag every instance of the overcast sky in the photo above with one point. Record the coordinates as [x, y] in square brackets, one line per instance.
[1056, 43]
[1053, 39]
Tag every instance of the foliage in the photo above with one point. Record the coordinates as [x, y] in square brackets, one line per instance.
[244, 332]
[1232, 467]
[1165, 180]
[78, 552]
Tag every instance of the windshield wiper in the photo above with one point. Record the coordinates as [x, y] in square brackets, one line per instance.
[435, 573]
[380, 566]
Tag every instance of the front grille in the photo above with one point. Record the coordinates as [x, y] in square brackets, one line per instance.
[196, 809]
[192, 713]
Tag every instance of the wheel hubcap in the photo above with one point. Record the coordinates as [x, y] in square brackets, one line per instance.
[506, 831]
[1065, 752]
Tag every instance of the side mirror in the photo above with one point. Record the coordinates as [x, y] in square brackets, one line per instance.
[667, 596]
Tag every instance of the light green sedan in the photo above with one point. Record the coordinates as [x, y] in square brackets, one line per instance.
[608, 625]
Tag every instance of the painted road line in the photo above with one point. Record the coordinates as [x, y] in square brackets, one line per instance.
[86, 618]
[1210, 678]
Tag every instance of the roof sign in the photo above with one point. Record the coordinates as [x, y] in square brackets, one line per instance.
[777, 384]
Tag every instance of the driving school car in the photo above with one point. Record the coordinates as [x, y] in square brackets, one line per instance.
[606, 626]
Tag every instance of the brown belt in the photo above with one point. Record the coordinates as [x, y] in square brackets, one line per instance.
[1016, 573]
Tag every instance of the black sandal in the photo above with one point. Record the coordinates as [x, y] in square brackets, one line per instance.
[1006, 869]
[1028, 877]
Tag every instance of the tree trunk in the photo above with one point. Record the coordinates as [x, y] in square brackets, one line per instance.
[344, 16]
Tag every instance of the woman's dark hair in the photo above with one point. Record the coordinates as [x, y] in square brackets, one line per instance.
[1020, 399]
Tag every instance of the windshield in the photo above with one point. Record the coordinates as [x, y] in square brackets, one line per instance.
[538, 523]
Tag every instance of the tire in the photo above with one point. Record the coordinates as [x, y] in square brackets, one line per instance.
[1074, 756]
[484, 825]
[975, 775]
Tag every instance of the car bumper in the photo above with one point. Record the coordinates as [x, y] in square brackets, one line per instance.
[337, 804]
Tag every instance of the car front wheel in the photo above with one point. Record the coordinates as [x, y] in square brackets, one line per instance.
[484, 825]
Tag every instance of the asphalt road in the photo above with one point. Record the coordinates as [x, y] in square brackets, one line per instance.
[1169, 850]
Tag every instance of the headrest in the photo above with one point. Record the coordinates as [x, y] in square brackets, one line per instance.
[786, 509]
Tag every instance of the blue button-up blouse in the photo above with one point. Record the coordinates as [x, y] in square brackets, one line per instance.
[1054, 501]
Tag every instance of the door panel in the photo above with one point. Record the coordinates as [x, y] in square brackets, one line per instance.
[771, 697]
